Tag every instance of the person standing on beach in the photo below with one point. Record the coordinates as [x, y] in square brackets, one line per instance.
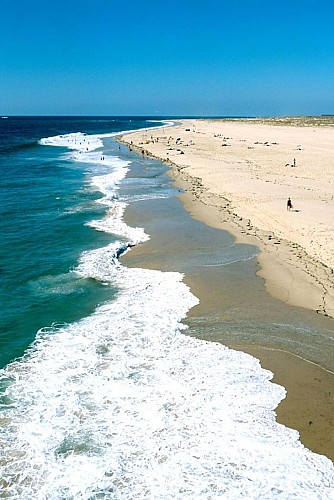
[289, 204]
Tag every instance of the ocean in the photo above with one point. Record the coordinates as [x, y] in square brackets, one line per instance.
[103, 393]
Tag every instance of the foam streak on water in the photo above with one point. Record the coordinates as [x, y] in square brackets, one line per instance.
[123, 405]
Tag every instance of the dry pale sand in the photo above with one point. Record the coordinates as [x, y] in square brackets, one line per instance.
[242, 172]
[237, 176]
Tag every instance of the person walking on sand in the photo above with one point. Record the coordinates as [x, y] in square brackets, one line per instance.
[289, 204]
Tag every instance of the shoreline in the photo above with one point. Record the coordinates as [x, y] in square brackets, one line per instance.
[308, 407]
[308, 385]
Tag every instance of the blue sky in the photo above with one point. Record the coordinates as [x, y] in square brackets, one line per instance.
[170, 57]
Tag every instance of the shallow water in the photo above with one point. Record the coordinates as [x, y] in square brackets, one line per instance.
[235, 307]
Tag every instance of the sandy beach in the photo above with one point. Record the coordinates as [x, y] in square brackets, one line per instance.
[242, 173]
[237, 176]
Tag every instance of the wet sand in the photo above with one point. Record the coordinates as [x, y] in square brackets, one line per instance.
[294, 343]
[309, 404]
[236, 309]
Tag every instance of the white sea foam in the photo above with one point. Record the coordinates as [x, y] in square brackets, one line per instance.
[114, 224]
[77, 140]
[85, 142]
[108, 185]
[123, 405]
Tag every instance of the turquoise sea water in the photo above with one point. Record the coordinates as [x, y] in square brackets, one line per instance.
[46, 201]
[102, 396]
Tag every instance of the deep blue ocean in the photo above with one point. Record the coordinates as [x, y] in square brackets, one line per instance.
[102, 395]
